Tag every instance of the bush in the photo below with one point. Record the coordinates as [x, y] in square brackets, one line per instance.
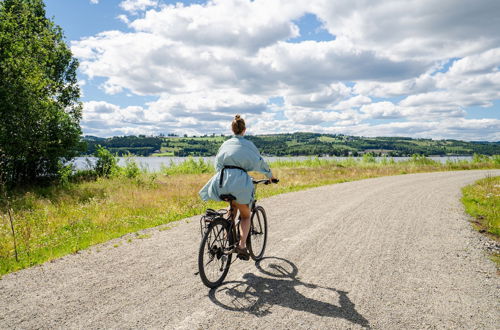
[368, 158]
[131, 169]
[422, 160]
[84, 175]
[65, 174]
[189, 166]
[496, 159]
[106, 164]
[477, 158]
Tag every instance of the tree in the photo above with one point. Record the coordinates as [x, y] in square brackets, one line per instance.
[39, 107]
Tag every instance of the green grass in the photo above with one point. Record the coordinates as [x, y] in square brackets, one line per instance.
[482, 202]
[219, 139]
[50, 222]
[327, 139]
[189, 166]
[163, 154]
[55, 221]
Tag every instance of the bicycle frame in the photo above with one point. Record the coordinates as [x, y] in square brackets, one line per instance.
[231, 217]
[234, 226]
[224, 246]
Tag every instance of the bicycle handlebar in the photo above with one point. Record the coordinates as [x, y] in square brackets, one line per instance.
[265, 181]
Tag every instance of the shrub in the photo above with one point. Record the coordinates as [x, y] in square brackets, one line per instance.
[84, 175]
[422, 160]
[131, 169]
[368, 158]
[496, 159]
[477, 158]
[349, 162]
[65, 174]
[106, 164]
[189, 166]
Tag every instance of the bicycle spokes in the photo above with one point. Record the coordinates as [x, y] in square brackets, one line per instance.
[213, 260]
[258, 233]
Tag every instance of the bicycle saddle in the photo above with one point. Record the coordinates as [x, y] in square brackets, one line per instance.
[227, 197]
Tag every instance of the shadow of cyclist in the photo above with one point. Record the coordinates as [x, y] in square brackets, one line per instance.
[257, 294]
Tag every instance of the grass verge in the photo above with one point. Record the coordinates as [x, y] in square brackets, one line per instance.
[50, 222]
[482, 202]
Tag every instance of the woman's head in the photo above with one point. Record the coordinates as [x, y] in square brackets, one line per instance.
[238, 125]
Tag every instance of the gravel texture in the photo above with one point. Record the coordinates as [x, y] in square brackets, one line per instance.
[388, 253]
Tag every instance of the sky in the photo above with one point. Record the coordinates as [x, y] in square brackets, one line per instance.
[421, 69]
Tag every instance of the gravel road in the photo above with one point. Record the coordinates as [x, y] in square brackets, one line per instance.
[387, 253]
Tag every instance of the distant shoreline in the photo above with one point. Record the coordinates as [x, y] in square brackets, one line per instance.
[155, 164]
[291, 145]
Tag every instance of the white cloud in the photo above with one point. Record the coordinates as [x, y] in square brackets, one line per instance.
[205, 104]
[106, 119]
[123, 18]
[173, 113]
[390, 60]
[310, 118]
[423, 29]
[236, 24]
[321, 98]
[134, 6]
[381, 110]
[466, 129]
[423, 83]
[469, 82]
[94, 2]
[353, 102]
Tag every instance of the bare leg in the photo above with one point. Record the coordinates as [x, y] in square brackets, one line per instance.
[244, 223]
[235, 210]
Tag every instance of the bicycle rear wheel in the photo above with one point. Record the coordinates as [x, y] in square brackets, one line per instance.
[257, 237]
[214, 258]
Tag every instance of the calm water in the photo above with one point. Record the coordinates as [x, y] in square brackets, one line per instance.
[153, 164]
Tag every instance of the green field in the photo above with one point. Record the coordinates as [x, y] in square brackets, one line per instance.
[296, 144]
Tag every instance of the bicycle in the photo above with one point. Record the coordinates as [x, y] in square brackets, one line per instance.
[220, 235]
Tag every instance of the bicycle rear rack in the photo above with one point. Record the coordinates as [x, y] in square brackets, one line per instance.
[209, 216]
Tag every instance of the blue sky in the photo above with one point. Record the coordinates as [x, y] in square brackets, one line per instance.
[154, 66]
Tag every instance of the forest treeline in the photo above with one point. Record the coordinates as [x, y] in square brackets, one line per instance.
[293, 144]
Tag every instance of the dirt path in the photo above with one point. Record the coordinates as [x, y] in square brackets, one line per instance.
[387, 253]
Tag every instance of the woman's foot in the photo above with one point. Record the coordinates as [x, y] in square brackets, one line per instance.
[242, 253]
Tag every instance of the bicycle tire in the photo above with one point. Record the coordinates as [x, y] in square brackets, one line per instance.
[215, 244]
[257, 237]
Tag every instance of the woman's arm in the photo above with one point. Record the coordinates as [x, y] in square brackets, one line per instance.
[263, 167]
[218, 160]
[260, 165]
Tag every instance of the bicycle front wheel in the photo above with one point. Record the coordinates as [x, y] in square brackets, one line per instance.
[257, 237]
[214, 257]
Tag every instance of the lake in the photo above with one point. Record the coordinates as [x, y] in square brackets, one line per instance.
[154, 164]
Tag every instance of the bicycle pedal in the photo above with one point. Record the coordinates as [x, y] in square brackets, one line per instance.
[243, 257]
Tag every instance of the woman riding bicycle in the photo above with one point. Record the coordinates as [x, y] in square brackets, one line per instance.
[234, 159]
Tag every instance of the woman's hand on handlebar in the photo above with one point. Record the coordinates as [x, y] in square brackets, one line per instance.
[266, 181]
[273, 180]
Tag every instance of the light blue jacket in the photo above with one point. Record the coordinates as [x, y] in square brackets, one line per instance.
[240, 152]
